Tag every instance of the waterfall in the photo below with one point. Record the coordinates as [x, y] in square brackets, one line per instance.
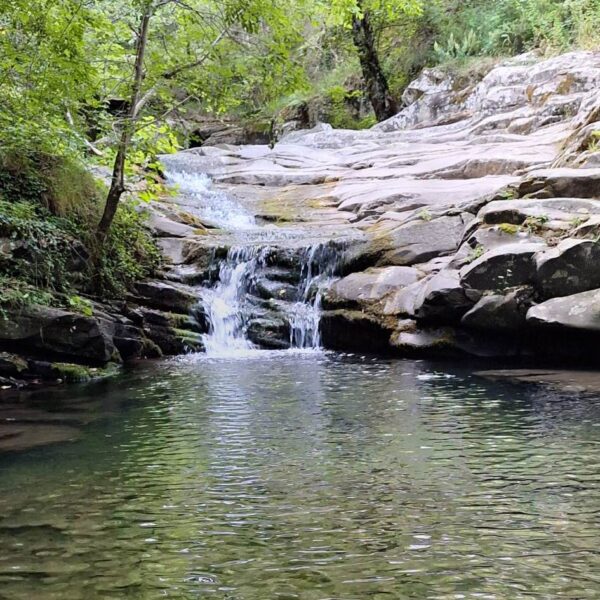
[318, 269]
[223, 305]
[230, 301]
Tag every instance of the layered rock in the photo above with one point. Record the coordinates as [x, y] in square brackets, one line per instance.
[464, 214]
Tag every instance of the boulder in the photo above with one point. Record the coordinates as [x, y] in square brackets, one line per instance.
[267, 289]
[569, 268]
[369, 286]
[443, 298]
[502, 313]
[349, 330]
[170, 297]
[46, 329]
[576, 312]
[507, 266]
[269, 331]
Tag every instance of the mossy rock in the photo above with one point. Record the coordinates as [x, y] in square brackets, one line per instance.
[509, 228]
[73, 373]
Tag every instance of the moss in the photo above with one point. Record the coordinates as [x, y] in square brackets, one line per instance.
[190, 339]
[508, 228]
[73, 373]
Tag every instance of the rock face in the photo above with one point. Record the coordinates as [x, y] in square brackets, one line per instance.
[467, 224]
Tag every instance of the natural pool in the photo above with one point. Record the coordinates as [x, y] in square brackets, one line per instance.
[306, 475]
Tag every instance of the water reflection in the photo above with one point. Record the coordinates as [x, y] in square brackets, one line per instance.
[308, 476]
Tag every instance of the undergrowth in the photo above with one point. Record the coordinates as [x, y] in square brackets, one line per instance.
[49, 209]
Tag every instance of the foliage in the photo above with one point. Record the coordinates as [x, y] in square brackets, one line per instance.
[130, 254]
[45, 257]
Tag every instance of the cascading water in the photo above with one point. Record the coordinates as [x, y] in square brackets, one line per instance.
[318, 268]
[223, 305]
[226, 301]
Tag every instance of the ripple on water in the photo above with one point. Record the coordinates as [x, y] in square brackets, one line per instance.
[309, 475]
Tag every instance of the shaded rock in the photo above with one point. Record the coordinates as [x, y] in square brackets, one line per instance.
[571, 267]
[517, 212]
[59, 331]
[269, 332]
[12, 365]
[577, 312]
[502, 313]
[443, 298]
[449, 342]
[166, 296]
[507, 266]
[349, 330]
[562, 183]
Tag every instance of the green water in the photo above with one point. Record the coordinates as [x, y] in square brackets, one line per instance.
[306, 476]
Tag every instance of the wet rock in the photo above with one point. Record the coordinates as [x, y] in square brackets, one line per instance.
[12, 365]
[502, 313]
[577, 312]
[507, 266]
[448, 342]
[443, 298]
[270, 332]
[166, 296]
[349, 330]
[267, 289]
[172, 342]
[571, 267]
[129, 341]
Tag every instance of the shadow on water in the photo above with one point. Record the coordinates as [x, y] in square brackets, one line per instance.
[305, 475]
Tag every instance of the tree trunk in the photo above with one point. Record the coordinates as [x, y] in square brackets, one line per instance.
[117, 184]
[375, 80]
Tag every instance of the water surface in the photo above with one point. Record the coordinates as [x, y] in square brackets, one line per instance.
[311, 476]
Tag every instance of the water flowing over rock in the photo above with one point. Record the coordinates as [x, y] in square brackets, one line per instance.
[466, 224]
[462, 210]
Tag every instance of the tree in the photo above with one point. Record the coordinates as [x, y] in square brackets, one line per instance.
[358, 16]
[191, 33]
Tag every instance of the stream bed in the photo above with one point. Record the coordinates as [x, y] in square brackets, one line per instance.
[305, 475]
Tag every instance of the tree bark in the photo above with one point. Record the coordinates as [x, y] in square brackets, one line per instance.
[375, 80]
[117, 184]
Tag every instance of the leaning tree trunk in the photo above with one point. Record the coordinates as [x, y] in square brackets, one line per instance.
[375, 80]
[117, 184]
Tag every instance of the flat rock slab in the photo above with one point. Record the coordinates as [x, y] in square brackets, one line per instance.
[567, 380]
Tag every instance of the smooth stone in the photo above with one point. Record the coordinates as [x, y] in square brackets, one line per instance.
[502, 268]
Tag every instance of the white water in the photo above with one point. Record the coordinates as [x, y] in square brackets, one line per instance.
[224, 301]
[223, 304]
[214, 206]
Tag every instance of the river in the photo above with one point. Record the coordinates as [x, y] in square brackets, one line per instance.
[310, 475]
